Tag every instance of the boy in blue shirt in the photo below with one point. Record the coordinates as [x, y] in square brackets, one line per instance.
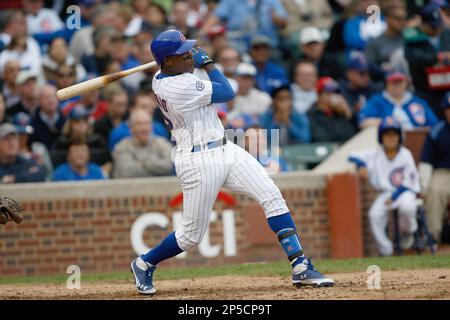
[78, 166]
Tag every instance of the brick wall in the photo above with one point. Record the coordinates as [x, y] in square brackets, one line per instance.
[89, 224]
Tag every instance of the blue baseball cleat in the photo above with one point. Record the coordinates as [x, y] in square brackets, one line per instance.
[144, 278]
[305, 274]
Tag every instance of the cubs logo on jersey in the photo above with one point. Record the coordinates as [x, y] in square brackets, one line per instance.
[397, 176]
[417, 111]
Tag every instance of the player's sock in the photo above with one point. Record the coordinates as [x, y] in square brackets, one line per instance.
[284, 227]
[165, 249]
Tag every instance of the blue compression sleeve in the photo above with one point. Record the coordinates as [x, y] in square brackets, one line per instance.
[359, 163]
[398, 192]
[221, 88]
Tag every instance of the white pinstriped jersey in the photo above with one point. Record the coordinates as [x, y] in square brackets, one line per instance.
[185, 101]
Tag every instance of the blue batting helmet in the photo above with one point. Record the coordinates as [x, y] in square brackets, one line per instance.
[170, 43]
[389, 124]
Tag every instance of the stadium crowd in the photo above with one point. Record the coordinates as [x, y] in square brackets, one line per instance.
[317, 70]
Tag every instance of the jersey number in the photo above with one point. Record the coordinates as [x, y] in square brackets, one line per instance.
[163, 105]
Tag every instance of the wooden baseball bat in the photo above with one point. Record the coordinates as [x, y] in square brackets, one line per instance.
[99, 82]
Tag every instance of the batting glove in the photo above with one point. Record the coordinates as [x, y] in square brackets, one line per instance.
[200, 57]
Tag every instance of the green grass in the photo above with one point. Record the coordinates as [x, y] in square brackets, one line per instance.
[255, 269]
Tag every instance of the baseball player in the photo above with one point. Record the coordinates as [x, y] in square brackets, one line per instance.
[206, 161]
[391, 170]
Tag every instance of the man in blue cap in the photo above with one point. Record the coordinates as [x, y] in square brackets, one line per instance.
[425, 46]
[357, 87]
[434, 171]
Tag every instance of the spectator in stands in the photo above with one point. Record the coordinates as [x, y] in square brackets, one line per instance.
[95, 63]
[142, 154]
[312, 44]
[250, 103]
[27, 88]
[303, 87]
[48, 120]
[218, 39]
[139, 8]
[91, 102]
[13, 167]
[293, 127]
[435, 172]
[2, 109]
[58, 55]
[40, 19]
[397, 102]
[78, 167]
[331, 117]
[13, 25]
[121, 52]
[228, 59]
[156, 16]
[82, 41]
[17, 50]
[351, 32]
[357, 32]
[77, 128]
[308, 13]
[256, 144]
[124, 14]
[66, 76]
[392, 171]
[178, 19]
[117, 100]
[357, 87]
[9, 88]
[270, 75]
[244, 18]
[147, 102]
[426, 46]
[379, 50]
[31, 149]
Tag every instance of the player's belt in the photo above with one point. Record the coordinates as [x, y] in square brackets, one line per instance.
[209, 145]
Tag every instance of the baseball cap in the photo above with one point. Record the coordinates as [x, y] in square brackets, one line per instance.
[245, 69]
[444, 4]
[446, 101]
[215, 31]
[395, 75]
[23, 76]
[357, 62]
[311, 34]
[6, 129]
[260, 39]
[22, 122]
[78, 113]
[431, 15]
[327, 84]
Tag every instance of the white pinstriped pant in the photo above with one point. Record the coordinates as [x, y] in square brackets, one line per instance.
[202, 175]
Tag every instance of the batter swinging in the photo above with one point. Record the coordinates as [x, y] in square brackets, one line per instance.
[205, 161]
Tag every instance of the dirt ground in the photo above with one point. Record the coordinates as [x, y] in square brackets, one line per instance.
[419, 284]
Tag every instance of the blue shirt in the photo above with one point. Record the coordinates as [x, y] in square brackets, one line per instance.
[417, 110]
[436, 150]
[123, 131]
[243, 16]
[23, 170]
[298, 131]
[271, 76]
[65, 173]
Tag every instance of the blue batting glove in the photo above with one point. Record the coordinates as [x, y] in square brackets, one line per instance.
[200, 57]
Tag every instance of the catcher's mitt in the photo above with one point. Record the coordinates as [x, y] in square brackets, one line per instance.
[9, 210]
